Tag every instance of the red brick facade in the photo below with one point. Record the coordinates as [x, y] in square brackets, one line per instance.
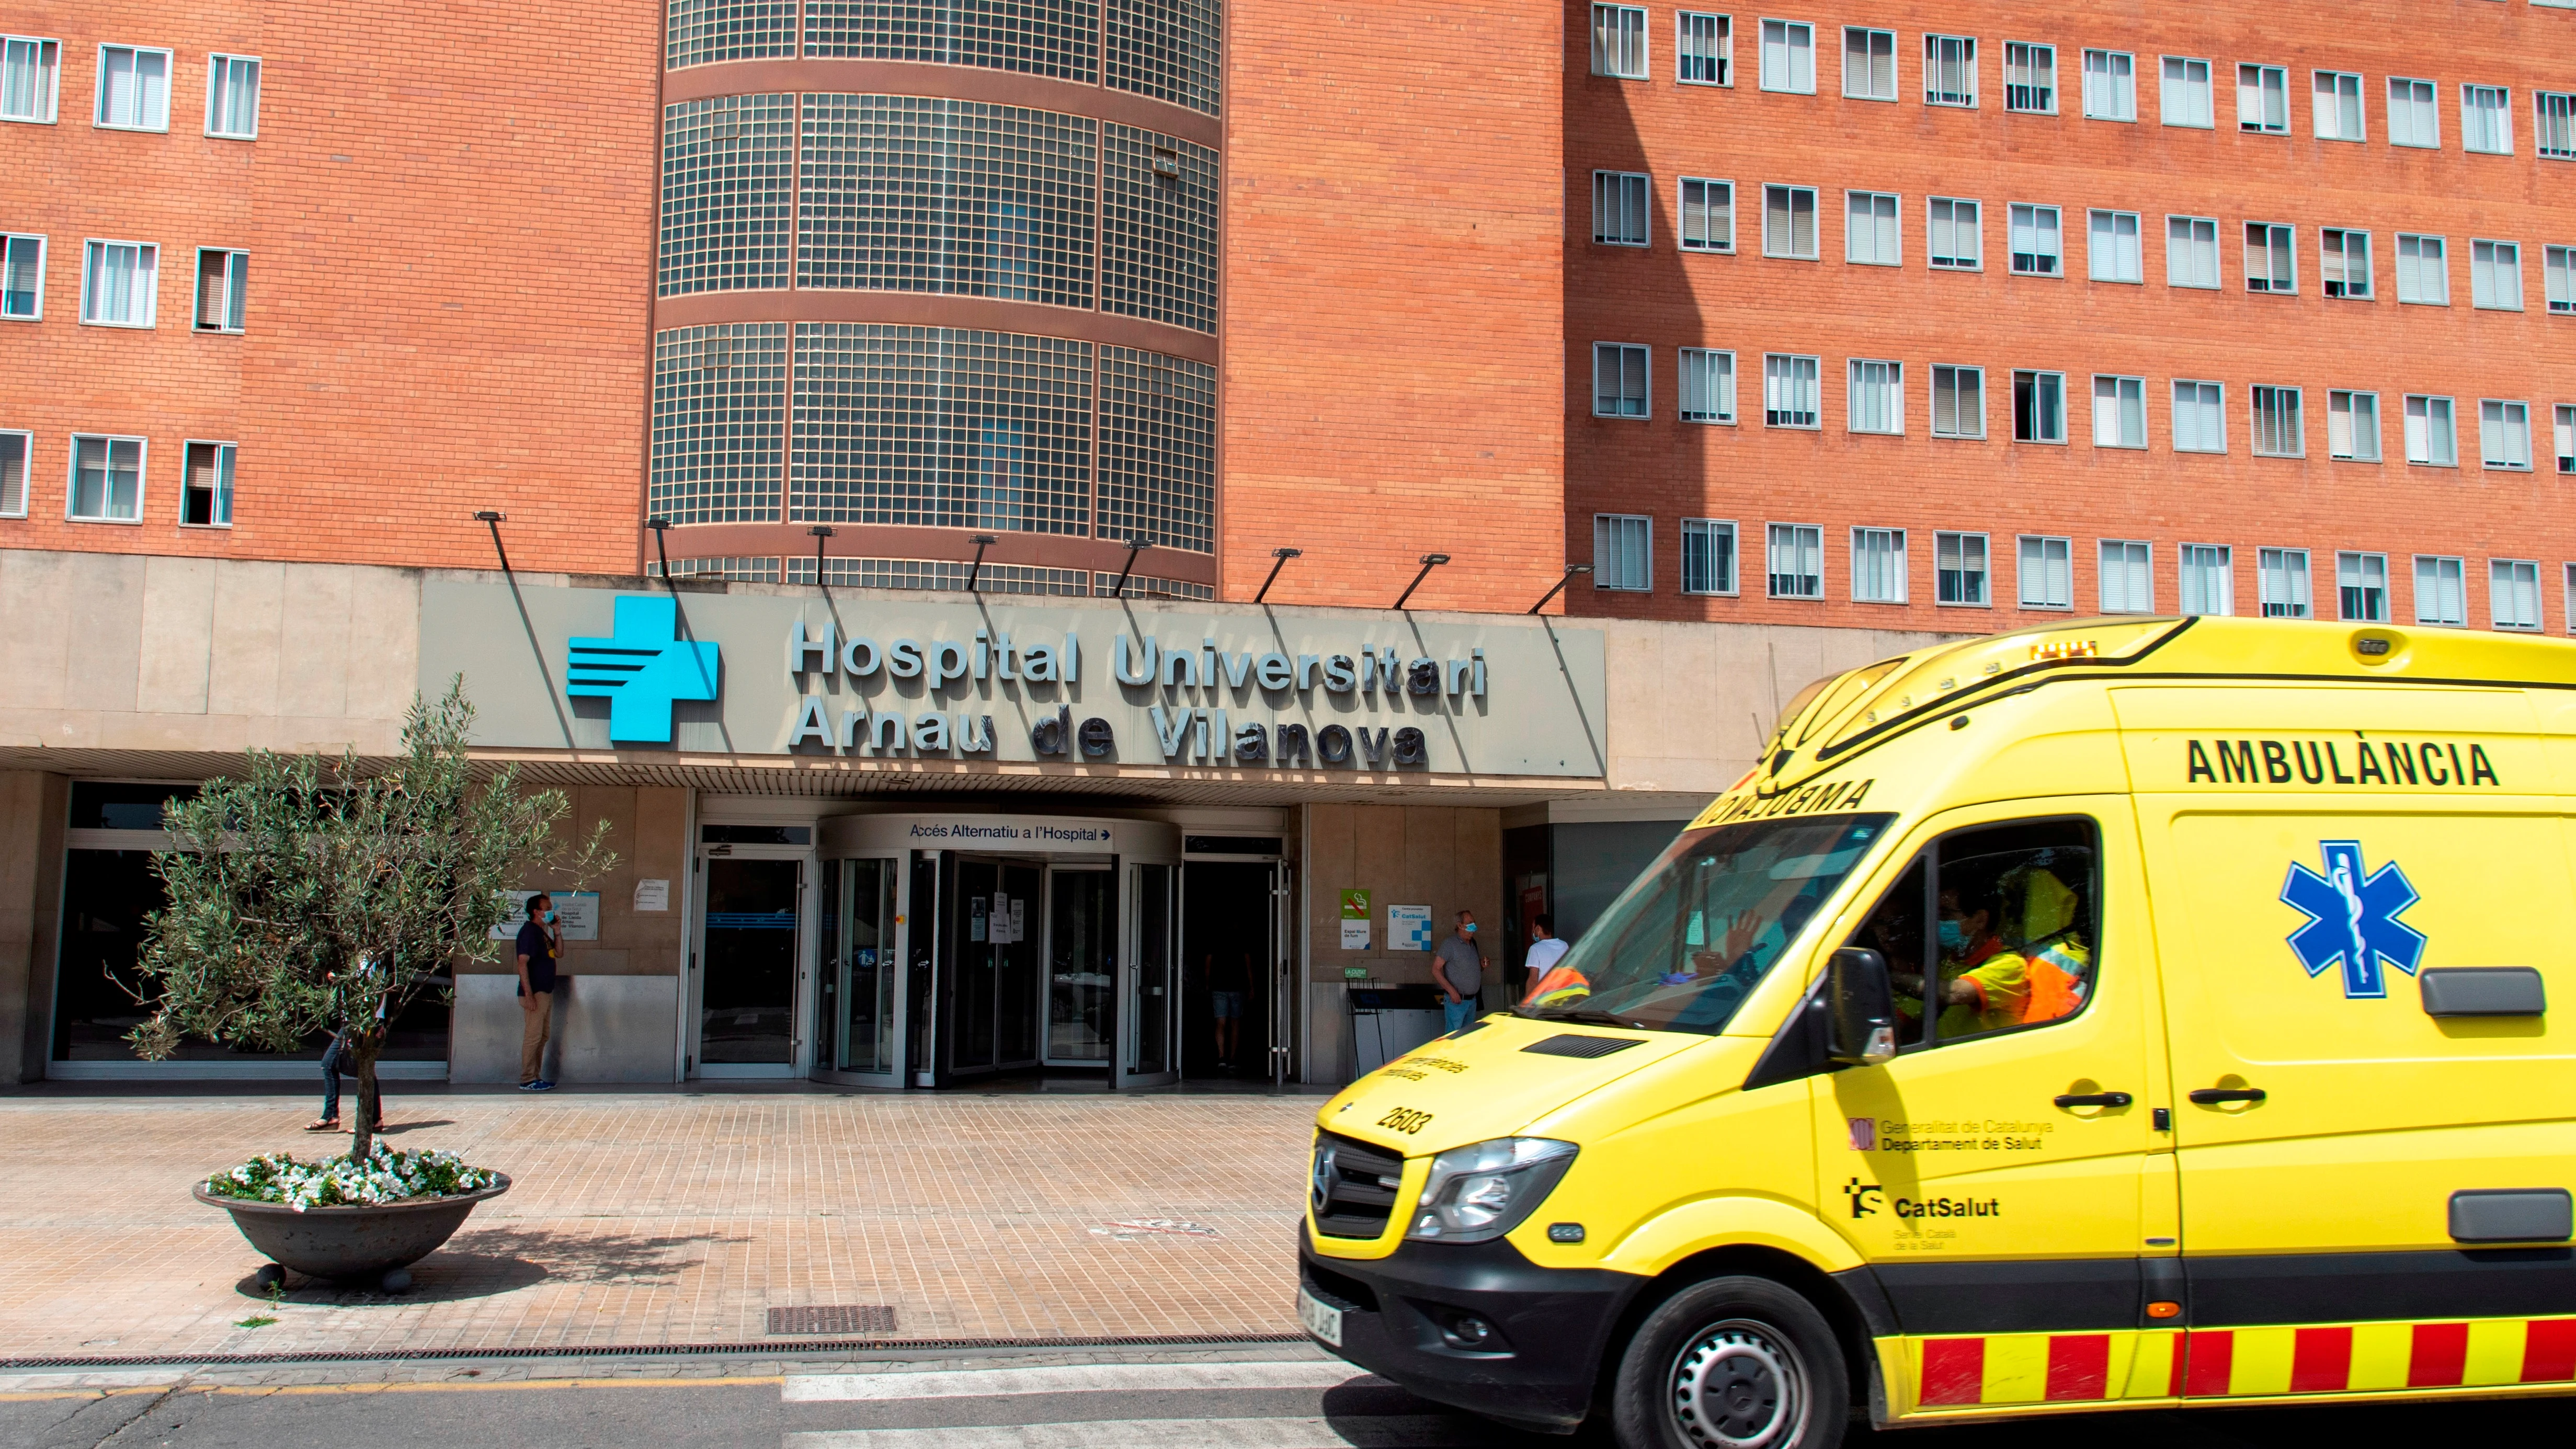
[449, 214]
[1753, 304]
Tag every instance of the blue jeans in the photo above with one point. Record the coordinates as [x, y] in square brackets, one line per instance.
[333, 1058]
[1455, 1014]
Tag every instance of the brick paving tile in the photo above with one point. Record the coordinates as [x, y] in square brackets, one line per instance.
[645, 1219]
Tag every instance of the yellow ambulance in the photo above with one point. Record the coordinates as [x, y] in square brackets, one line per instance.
[2132, 1013]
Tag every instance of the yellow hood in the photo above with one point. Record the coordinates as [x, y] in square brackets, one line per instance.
[1488, 1083]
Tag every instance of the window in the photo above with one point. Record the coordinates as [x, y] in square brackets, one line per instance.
[2558, 279]
[2113, 252]
[1956, 235]
[1622, 552]
[1869, 229]
[133, 88]
[1708, 556]
[1619, 41]
[1619, 387]
[107, 480]
[1789, 56]
[2413, 118]
[1706, 45]
[1878, 565]
[1959, 569]
[14, 448]
[2504, 435]
[121, 284]
[2352, 426]
[2110, 85]
[2566, 431]
[2263, 99]
[2361, 587]
[2344, 257]
[2207, 573]
[1877, 400]
[2513, 593]
[1869, 64]
[2039, 407]
[2430, 437]
[2199, 417]
[1708, 386]
[2553, 125]
[1789, 222]
[2184, 96]
[2128, 583]
[232, 96]
[2423, 271]
[206, 486]
[2119, 412]
[1619, 208]
[1790, 392]
[2281, 583]
[2271, 262]
[2191, 251]
[1795, 556]
[2035, 243]
[1949, 70]
[1708, 215]
[30, 75]
[222, 278]
[2046, 573]
[2440, 590]
[2030, 78]
[2022, 898]
[2495, 275]
[1958, 402]
[22, 278]
[2338, 109]
[2277, 425]
[2485, 123]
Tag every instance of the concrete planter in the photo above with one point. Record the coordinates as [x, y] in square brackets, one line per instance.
[359, 1243]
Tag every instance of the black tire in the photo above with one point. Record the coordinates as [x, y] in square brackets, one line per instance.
[1732, 1363]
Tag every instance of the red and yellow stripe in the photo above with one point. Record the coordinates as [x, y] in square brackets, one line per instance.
[1948, 1374]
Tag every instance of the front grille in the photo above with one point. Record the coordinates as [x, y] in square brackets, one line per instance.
[1576, 1044]
[1353, 1187]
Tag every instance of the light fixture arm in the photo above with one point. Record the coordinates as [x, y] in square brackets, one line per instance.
[1430, 561]
[1559, 586]
[1282, 555]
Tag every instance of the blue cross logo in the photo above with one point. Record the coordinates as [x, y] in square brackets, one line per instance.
[643, 669]
[2352, 919]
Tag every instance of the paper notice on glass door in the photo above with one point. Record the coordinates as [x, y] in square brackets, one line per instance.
[1020, 919]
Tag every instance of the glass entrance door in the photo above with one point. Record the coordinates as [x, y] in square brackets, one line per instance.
[859, 1012]
[993, 989]
[1081, 972]
[747, 1002]
[1149, 1023]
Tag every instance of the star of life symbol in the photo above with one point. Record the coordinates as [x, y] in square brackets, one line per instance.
[642, 669]
[2352, 919]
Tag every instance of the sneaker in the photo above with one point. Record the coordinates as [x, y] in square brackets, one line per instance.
[539, 1085]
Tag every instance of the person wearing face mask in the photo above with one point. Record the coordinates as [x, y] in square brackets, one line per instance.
[540, 941]
[1985, 987]
[1459, 970]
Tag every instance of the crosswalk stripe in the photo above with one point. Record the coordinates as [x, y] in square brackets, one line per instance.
[1394, 1431]
[1066, 1379]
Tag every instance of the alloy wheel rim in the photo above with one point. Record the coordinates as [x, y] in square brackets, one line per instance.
[1739, 1385]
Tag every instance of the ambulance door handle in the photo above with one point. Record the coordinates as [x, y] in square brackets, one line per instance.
[2212, 1096]
[2094, 1099]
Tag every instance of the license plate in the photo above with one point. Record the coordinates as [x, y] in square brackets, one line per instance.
[1321, 1319]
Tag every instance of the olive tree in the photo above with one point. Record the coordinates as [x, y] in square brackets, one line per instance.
[315, 895]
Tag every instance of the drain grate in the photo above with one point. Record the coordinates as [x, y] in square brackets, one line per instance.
[833, 1318]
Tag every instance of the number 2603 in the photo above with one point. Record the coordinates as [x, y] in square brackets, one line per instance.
[1405, 1120]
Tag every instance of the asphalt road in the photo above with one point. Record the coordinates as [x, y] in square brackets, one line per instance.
[1285, 1400]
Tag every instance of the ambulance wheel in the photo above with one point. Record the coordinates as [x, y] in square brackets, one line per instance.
[1732, 1363]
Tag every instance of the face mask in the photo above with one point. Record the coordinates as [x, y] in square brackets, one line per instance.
[1954, 936]
[548, 918]
[1469, 928]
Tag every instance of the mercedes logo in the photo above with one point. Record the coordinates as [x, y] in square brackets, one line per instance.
[1322, 1191]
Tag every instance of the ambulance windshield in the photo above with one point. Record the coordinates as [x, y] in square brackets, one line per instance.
[1686, 943]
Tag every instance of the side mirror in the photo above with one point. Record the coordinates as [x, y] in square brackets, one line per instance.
[1861, 1008]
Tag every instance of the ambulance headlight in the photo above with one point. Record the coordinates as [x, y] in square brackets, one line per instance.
[1480, 1192]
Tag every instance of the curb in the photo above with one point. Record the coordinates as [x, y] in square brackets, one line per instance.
[794, 1348]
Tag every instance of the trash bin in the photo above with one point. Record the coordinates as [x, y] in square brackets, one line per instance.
[1388, 1021]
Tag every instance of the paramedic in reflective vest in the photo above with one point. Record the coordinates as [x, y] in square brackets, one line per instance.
[1984, 986]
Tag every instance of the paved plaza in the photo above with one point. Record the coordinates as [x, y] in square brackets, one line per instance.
[675, 1219]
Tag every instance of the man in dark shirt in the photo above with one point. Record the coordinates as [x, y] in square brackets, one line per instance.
[539, 940]
[1458, 969]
